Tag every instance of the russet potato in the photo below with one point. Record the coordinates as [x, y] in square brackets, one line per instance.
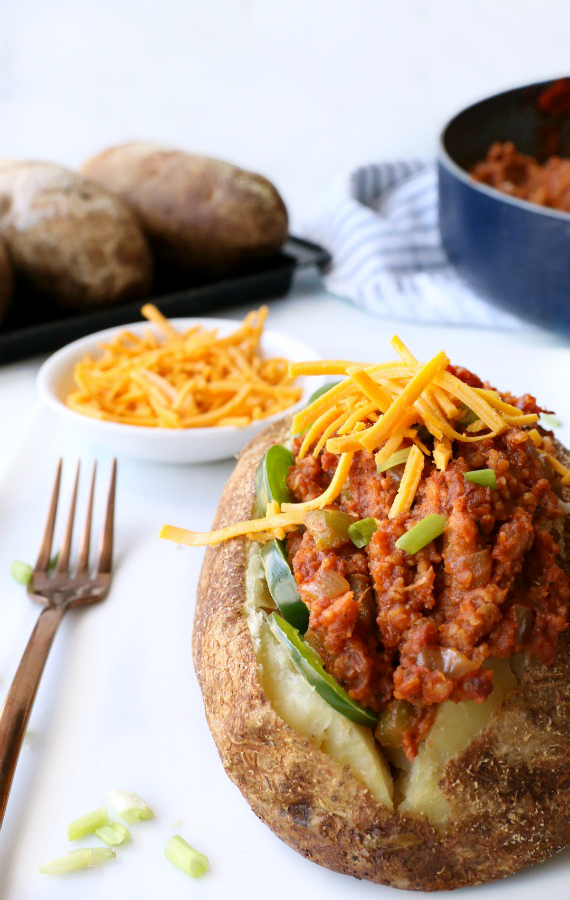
[69, 238]
[198, 213]
[487, 795]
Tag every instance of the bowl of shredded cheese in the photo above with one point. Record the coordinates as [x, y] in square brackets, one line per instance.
[177, 390]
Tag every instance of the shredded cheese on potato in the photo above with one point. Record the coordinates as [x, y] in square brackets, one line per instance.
[190, 379]
[377, 407]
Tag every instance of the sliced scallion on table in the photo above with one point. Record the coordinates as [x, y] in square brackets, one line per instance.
[484, 477]
[88, 823]
[77, 859]
[397, 459]
[185, 857]
[115, 834]
[361, 532]
[21, 571]
[129, 806]
[422, 533]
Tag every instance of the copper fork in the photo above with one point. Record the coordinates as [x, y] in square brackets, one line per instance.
[57, 592]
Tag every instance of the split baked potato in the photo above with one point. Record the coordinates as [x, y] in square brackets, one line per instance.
[488, 793]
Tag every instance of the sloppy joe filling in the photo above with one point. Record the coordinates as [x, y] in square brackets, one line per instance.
[393, 626]
[520, 175]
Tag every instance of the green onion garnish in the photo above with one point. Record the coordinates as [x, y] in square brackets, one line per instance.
[77, 859]
[179, 852]
[467, 416]
[549, 421]
[397, 458]
[21, 572]
[361, 532]
[115, 834]
[422, 533]
[88, 823]
[485, 477]
[129, 806]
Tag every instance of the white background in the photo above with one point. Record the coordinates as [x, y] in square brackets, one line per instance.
[297, 89]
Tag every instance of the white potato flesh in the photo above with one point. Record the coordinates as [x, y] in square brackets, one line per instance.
[298, 704]
[456, 724]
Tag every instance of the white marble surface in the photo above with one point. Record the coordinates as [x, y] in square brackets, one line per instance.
[298, 89]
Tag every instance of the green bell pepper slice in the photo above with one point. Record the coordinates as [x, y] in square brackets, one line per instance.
[282, 585]
[310, 665]
[271, 477]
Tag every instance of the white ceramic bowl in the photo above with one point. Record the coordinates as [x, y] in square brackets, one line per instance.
[165, 445]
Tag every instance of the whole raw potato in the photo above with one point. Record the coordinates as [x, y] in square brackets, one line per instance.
[6, 280]
[198, 213]
[69, 238]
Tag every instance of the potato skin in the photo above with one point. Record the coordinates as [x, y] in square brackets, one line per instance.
[69, 238]
[509, 790]
[6, 280]
[199, 213]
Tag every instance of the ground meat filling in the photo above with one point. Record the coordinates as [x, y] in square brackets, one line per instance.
[420, 627]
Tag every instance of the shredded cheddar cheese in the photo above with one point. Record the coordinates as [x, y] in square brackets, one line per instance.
[188, 379]
[380, 408]
[408, 484]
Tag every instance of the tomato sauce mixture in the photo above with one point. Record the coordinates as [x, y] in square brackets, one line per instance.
[519, 175]
[394, 626]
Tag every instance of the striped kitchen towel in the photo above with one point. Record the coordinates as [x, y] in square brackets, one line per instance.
[380, 226]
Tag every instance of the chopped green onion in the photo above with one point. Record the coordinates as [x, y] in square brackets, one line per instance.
[361, 532]
[21, 572]
[397, 458]
[115, 834]
[467, 416]
[422, 533]
[53, 562]
[88, 823]
[548, 421]
[179, 852]
[77, 859]
[129, 806]
[484, 477]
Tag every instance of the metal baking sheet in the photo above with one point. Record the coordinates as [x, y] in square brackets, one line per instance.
[35, 326]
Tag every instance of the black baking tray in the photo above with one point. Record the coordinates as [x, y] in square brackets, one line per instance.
[34, 326]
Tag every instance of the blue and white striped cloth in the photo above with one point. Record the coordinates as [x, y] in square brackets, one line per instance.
[380, 226]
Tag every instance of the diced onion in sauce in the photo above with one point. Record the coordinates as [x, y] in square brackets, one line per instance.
[446, 660]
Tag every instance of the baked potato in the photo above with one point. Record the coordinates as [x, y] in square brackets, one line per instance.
[389, 685]
[6, 280]
[198, 213]
[69, 238]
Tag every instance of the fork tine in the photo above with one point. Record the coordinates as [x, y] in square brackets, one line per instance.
[106, 550]
[83, 563]
[65, 549]
[42, 561]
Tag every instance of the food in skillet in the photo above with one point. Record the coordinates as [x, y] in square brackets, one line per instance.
[384, 652]
[522, 176]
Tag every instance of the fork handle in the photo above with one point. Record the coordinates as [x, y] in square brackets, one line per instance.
[21, 695]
